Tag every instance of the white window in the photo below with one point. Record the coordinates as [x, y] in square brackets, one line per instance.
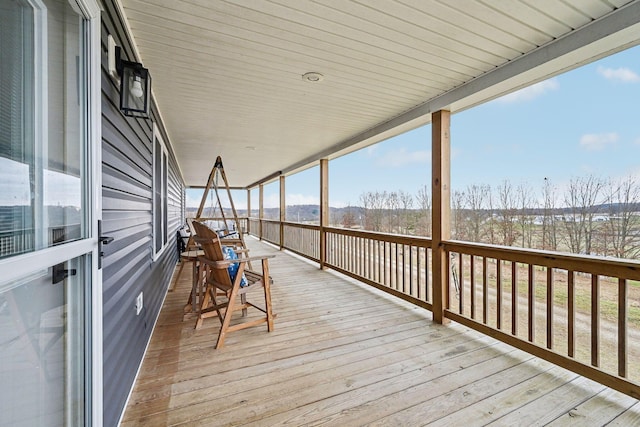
[160, 170]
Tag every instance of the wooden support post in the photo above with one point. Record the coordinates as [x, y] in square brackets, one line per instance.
[283, 211]
[261, 208]
[441, 194]
[324, 209]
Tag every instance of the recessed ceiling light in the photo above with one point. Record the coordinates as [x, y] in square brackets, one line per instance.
[250, 147]
[312, 77]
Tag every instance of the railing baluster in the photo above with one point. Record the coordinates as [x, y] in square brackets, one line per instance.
[571, 313]
[461, 284]
[485, 291]
[390, 266]
[397, 284]
[447, 280]
[427, 276]
[472, 285]
[531, 295]
[403, 263]
[411, 270]
[499, 293]
[347, 252]
[418, 273]
[352, 253]
[380, 249]
[514, 298]
[370, 259]
[362, 258]
[359, 256]
[378, 264]
[622, 327]
[393, 261]
[595, 320]
[550, 292]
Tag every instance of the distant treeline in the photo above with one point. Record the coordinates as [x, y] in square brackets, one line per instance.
[589, 216]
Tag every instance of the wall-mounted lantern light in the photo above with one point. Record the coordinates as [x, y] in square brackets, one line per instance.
[135, 87]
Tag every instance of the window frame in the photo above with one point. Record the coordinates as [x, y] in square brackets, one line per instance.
[160, 172]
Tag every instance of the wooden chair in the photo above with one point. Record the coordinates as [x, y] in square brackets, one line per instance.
[219, 284]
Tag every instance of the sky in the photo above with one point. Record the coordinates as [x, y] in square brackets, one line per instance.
[584, 122]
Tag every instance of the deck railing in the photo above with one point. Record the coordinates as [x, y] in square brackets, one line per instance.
[303, 239]
[575, 311]
[579, 312]
[396, 264]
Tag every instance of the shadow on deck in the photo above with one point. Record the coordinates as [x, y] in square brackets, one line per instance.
[345, 354]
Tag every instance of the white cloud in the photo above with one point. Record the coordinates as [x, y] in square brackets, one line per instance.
[622, 74]
[339, 204]
[637, 141]
[402, 157]
[271, 201]
[301, 199]
[530, 92]
[596, 142]
[371, 150]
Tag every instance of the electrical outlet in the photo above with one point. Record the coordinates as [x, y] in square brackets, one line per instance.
[139, 304]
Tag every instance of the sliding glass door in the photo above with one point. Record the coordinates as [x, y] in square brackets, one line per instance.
[48, 208]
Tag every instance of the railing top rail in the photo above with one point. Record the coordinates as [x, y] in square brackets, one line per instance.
[300, 225]
[613, 267]
[385, 237]
[277, 221]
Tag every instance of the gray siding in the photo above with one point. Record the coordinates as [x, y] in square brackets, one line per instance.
[128, 266]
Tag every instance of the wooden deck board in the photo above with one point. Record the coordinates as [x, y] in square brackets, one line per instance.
[344, 354]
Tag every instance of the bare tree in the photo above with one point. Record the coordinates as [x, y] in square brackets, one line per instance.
[507, 203]
[458, 228]
[491, 228]
[373, 204]
[476, 198]
[392, 205]
[406, 204]
[549, 223]
[424, 211]
[622, 228]
[581, 198]
[348, 218]
[526, 203]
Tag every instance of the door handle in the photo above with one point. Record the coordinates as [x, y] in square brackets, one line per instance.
[59, 273]
[102, 240]
[105, 240]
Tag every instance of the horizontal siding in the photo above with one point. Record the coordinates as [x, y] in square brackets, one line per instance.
[127, 202]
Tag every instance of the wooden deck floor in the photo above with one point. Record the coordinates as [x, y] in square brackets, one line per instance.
[343, 354]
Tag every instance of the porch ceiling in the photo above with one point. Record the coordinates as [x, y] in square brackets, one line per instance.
[227, 75]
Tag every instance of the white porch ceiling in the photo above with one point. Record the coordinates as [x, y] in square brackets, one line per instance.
[227, 75]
